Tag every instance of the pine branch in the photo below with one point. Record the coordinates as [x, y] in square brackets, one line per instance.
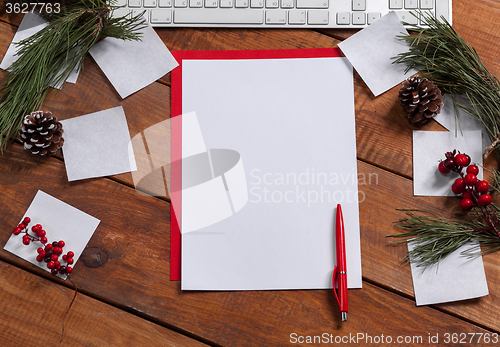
[434, 237]
[441, 55]
[48, 57]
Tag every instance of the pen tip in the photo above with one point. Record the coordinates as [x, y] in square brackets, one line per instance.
[344, 316]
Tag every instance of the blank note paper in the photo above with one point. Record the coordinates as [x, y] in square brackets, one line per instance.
[30, 25]
[429, 148]
[370, 52]
[133, 65]
[456, 277]
[61, 222]
[97, 144]
[456, 120]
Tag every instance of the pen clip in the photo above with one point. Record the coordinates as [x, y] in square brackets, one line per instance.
[334, 277]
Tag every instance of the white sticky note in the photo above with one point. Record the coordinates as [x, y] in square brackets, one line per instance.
[97, 144]
[457, 120]
[429, 148]
[456, 277]
[133, 65]
[61, 222]
[370, 51]
[30, 25]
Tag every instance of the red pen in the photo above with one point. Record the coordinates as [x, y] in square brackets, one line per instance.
[339, 271]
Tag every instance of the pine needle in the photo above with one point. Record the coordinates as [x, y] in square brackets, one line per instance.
[48, 57]
[441, 55]
[434, 237]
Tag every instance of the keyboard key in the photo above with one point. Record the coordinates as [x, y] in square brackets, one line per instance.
[217, 16]
[426, 4]
[358, 18]
[226, 3]
[211, 3]
[241, 3]
[134, 3]
[317, 17]
[395, 4]
[443, 8]
[296, 17]
[312, 3]
[180, 3]
[276, 17]
[272, 3]
[257, 3]
[149, 3]
[195, 3]
[140, 11]
[121, 3]
[411, 4]
[286, 3]
[406, 16]
[161, 16]
[426, 13]
[165, 3]
[372, 17]
[359, 5]
[121, 12]
[343, 18]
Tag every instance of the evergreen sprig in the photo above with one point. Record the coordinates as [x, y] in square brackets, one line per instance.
[48, 57]
[441, 55]
[435, 237]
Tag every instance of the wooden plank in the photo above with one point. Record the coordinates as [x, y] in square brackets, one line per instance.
[381, 128]
[133, 236]
[32, 310]
[11, 18]
[382, 262]
[137, 248]
[7, 32]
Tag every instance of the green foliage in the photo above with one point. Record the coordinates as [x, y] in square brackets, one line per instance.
[48, 57]
[435, 237]
[441, 55]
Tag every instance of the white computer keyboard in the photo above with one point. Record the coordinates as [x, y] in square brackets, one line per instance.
[277, 13]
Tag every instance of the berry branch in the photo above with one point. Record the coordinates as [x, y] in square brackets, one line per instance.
[435, 237]
[49, 253]
[474, 192]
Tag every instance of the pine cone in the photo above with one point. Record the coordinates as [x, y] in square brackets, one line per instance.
[421, 100]
[41, 134]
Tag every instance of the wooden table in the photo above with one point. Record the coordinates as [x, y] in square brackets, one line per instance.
[126, 297]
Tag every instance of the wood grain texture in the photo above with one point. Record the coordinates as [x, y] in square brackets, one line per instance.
[381, 129]
[126, 261]
[135, 274]
[11, 18]
[32, 311]
[382, 261]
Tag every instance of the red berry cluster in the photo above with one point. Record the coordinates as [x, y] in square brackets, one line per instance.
[474, 192]
[49, 253]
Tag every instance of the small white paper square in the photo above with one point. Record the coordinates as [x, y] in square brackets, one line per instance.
[370, 52]
[429, 148]
[456, 277]
[459, 121]
[133, 65]
[61, 222]
[97, 145]
[30, 25]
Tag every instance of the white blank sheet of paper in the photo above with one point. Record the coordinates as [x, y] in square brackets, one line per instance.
[292, 121]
